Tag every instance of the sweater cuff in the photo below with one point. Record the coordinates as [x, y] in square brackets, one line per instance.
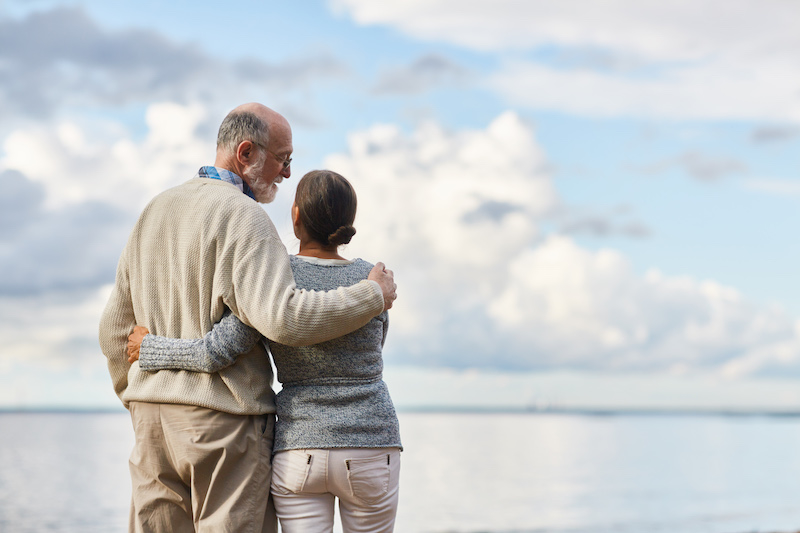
[163, 353]
[376, 288]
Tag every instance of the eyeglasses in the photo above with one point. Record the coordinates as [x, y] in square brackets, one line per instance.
[285, 161]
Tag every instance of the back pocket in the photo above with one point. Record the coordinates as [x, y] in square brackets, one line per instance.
[290, 471]
[369, 477]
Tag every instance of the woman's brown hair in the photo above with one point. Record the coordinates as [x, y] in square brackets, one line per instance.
[327, 207]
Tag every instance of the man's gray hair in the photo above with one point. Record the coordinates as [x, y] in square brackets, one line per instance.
[241, 126]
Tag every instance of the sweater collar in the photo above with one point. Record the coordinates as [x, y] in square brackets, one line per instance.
[226, 176]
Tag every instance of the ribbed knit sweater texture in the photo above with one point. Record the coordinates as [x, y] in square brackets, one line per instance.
[333, 393]
[196, 249]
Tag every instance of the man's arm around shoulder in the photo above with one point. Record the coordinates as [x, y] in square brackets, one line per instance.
[263, 293]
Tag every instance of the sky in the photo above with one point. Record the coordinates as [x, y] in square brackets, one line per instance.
[585, 204]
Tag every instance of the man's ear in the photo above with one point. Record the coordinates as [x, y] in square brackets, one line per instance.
[245, 152]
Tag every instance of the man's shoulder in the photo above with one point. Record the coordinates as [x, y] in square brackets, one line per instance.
[211, 189]
[206, 207]
[209, 196]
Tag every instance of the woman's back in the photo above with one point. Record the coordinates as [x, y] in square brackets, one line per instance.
[350, 358]
[333, 394]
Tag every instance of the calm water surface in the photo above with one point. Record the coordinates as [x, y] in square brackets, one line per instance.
[467, 473]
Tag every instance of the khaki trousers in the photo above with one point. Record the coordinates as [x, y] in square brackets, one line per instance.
[196, 469]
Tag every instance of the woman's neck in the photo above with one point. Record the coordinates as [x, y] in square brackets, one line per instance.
[319, 250]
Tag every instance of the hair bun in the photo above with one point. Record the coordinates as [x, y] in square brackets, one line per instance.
[342, 235]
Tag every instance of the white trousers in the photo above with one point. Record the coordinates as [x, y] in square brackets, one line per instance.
[305, 484]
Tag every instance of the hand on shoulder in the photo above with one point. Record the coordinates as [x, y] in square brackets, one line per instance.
[384, 278]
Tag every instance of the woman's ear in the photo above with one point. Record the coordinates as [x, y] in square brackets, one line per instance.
[296, 220]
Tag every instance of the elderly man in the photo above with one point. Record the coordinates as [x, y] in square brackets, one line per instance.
[201, 461]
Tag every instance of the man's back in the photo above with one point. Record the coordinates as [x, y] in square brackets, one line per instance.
[180, 263]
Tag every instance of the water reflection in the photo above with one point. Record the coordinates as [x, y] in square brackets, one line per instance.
[467, 473]
[64, 472]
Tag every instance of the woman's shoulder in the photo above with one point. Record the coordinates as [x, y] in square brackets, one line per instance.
[325, 274]
[351, 264]
[363, 264]
[359, 268]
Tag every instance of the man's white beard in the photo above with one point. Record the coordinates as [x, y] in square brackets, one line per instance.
[264, 190]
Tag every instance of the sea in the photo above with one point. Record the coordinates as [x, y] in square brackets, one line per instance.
[470, 472]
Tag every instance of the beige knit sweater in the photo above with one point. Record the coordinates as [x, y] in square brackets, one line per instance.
[196, 249]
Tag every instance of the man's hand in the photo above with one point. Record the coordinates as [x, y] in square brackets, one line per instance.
[135, 342]
[385, 279]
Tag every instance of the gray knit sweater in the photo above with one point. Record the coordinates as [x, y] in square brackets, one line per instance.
[333, 393]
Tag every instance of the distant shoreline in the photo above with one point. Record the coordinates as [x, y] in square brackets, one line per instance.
[608, 411]
[456, 410]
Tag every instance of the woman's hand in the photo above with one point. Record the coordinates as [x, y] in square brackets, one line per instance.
[135, 342]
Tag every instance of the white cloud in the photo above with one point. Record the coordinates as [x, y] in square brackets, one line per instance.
[449, 194]
[712, 59]
[59, 57]
[75, 191]
[57, 330]
[567, 306]
[443, 208]
[426, 72]
[100, 162]
[780, 187]
[456, 215]
[50, 354]
[699, 165]
[681, 30]
[707, 91]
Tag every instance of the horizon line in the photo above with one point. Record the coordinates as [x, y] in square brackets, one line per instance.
[793, 412]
